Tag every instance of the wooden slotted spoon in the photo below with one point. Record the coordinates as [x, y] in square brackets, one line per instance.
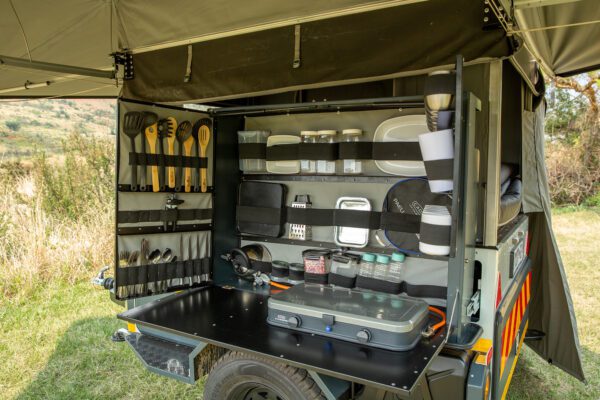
[166, 129]
[204, 139]
[184, 137]
[150, 119]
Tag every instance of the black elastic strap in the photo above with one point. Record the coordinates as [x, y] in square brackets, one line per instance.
[429, 291]
[407, 151]
[398, 222]
[252, 150]
[169, 161]
[261, 266]
[206, 265]
[296, 275]
[315, 278]
[262, 215]
[355, 151]
[310, 216]
[341, 280]
[135, 216]
[437, 235]
[318, 151]
[280, 272]
[284, 152]
[377, 285]
[439, 169]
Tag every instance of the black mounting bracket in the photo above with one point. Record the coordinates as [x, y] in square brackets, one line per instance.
[125, 58]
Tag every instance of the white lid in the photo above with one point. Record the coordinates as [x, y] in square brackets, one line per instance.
[309, 133]
[327, 133]
[352, 132]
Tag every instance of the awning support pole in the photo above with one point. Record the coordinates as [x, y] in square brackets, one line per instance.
[60, 68]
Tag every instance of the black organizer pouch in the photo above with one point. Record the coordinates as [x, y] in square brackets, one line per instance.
[410, 196]
[268, 198]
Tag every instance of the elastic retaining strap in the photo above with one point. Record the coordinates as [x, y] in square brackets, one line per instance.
[377, 285]
[169, 161]
[437, 235]
[341, 280]
[408, 151]
[315, 278]
[428, 291]
[136, 216]
[439, 169]
[331, 217]
[296, 275]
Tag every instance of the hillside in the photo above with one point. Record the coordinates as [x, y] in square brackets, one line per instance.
[29, 126]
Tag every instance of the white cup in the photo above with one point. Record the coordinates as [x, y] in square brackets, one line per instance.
[435, 215]
[438, 145]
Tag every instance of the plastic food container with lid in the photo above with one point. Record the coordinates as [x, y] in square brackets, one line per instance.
[345, 264]
[280, 271]
[296, 274]
[316, 261]
[253, 164]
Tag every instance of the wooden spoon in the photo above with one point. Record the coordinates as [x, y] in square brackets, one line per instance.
[204, 135]
[152, 135]
[187, 145]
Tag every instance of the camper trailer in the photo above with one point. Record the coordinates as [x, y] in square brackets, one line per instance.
[333, 200]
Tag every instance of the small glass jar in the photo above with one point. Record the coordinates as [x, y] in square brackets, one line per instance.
[296, 275]
[326, 166]
[367, 265]
[381, 267]
[350, 136]
[396, 271]
[280, 271]
[309, 166]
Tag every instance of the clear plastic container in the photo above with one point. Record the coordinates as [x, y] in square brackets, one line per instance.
[352, 166]
[317, 261]
[396, 270]
[326, 166]
[367, 265]
[381, 267]
[344, 264]
[253, 164]
[309, 166]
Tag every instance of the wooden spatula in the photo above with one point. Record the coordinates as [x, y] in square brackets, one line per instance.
[204, 139]
[187, 145]
[150, 119]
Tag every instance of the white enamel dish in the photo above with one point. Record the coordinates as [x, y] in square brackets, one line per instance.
[401, 129]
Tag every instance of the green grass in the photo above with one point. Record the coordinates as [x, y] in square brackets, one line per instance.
[55, 344]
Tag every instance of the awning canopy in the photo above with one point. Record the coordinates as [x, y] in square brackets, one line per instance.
[85, 32]
[564, 35]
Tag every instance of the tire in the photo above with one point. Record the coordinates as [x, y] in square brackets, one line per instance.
[241, 376]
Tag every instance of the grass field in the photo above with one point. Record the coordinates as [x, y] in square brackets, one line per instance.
[55, 344]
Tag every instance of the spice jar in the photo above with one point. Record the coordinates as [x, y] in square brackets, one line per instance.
[350, 136]
[280, 271]
[326, 166]
[296, 275]
[316, 261]
[309, 166]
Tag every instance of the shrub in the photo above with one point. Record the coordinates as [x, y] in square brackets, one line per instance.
[13, 125]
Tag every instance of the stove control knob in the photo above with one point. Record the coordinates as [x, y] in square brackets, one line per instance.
[363, 336]
[294, 322]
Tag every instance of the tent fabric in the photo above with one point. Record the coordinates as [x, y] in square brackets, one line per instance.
[370, 46]
[551, 308]
[564, 50]
[84, 32]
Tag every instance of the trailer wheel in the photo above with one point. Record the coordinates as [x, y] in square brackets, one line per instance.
[241, 376]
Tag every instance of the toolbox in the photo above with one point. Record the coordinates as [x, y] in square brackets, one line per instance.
[375, 319]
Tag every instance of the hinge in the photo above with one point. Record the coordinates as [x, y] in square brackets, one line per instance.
[125, 58]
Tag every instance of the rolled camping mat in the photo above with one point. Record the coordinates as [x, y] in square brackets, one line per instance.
[410, 196]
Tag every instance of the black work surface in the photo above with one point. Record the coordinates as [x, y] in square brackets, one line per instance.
[237, 319]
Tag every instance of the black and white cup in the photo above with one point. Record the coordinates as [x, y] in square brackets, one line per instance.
[434, 238]
[437, 149]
